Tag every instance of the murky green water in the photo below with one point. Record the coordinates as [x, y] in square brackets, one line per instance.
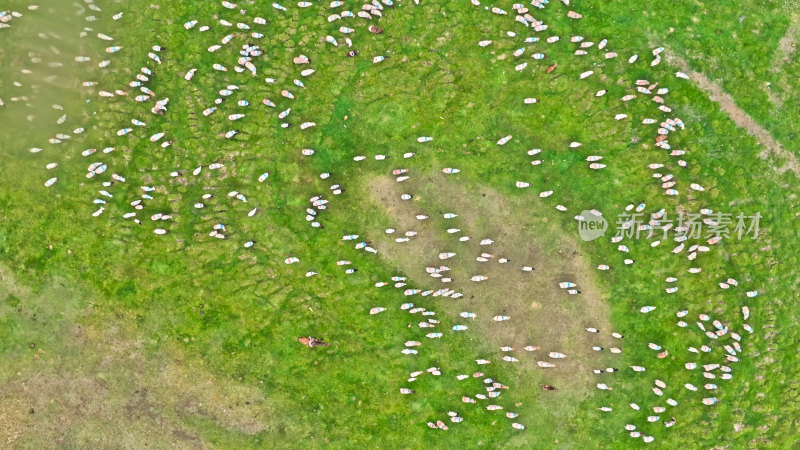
[40, 80]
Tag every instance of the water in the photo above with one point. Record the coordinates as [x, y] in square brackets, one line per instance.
[40, 81]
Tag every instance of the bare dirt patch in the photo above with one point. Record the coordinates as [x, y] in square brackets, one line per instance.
[782, 56]
[9, 285]
[541, 313]
[13, 421]
[787, 45]
[98, 386]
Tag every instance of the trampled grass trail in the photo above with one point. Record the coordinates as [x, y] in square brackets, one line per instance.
[739, 116]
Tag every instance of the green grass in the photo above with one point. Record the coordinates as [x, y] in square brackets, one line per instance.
[188, 340]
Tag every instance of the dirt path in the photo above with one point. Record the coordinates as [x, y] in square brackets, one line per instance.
[738, 115]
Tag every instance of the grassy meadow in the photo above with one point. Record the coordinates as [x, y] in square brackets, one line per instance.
[114, 337]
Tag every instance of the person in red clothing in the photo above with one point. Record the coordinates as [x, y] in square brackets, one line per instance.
[312, 342]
